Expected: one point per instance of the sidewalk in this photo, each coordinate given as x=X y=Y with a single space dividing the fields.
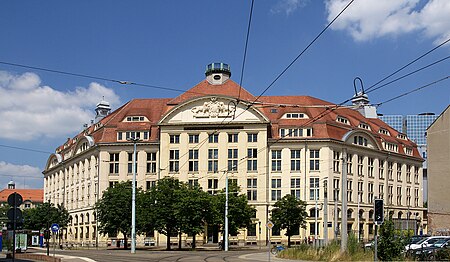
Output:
x=264 y=256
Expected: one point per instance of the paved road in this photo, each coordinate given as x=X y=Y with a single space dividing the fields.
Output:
x=251 y=255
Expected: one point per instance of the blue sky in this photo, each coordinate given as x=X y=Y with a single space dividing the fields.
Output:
x=169 y=43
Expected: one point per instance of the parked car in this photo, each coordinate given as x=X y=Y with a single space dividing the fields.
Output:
x=426 y=242
x=438 y=251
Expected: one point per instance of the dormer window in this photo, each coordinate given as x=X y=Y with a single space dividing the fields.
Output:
x=408 y=151
x=384 y=132
x=360 y=140
x=295 y=116
x=273 y=110
x=402 y=136
x=343 y=120
x=136 y=119
x=391 y=147
x=295 y=132
x=364 y=126
x=124 y=136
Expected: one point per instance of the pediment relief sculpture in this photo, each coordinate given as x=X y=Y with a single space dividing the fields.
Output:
x=213 y=109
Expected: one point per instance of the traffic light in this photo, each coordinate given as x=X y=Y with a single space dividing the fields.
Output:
x=379 y=211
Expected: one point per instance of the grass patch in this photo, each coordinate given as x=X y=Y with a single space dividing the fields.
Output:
x=329 y=253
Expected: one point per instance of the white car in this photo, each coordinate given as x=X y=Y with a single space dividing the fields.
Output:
x=426 y=242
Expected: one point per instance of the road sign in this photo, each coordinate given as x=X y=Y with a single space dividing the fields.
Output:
x=15 y=199
x=269 y=225
x=14 y=214
x=55 y=228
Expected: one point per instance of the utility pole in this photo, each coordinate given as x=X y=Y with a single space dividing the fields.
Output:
x=344 y=202
x=133 y=198
x=325 y=212
x=226 y=211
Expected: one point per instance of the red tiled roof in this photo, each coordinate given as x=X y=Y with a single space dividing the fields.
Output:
x=34 y=195
x=324 y=113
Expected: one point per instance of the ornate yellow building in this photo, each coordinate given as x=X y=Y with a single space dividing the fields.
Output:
x=271 y=146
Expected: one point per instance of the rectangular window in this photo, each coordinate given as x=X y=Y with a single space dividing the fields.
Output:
x=145 y=135
x=381 y=191
x=380 y=169
x=360 y=191
x=295 y=187
x=193 y=160
x=336 y=161
x=213 y=185
x=132 y=135
x=149 y=184
x=336 y=189
x=416 y=175
x=151 y=162
x=349 y=190
x=370 y=167
x=416 y=197
x=295 y=160
x=408 y=196
x=119 y=135
x=130 y=163
x=193 y=139
x=232 y=159
x=252 y=137
x=360 y=165
x=314 y=160
x=313 y=188
x=390 y=194
x=213 y=156
x=213 y=138
x=252 y=160
x=408 y=173
x=370 y=192
x=252 y=185
x=390 y=170
x=174 y=160
x=193 y=182
x=399 y=195
x=232 y=138
x=276 y=189
x=114 y=163
x=349 y=164
x=399 y=172
x=174 y=139
x=276 y=160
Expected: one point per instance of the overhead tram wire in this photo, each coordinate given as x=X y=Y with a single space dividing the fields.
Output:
x=245 y=51
x=98 y=78
x=410 y=63
x=26 y=149
x=304 y=50
x=413 y=91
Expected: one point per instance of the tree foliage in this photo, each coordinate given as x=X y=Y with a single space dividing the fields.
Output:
x=391 y=242
x=114 y=210
x=43 y=216
x=239 y=212
x=289 y=213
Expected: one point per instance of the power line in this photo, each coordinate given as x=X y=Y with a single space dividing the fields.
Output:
x=26 y=149
x=121 y=82
x=245 y=50
x=410 y=63
x=414 y=90
x=304 y=50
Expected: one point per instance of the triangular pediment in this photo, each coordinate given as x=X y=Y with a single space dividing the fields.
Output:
x=213 y=109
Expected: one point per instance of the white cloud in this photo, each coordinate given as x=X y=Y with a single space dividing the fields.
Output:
x=24 y=176
x=288 y=6
x=370 y=19
x=30 y=111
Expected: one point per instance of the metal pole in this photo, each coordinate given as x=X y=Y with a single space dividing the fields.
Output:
x=375 y=255
x=133 y=201
x=268 y=242
x=97 y=196
x=226 y=211
x=259 y=238
x=344 y=202
x=357 y=214
x=315 y=214
x=325 y=211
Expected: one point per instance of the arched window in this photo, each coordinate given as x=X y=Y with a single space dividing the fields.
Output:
x=349 y=213
x=371 y=214
x=400 y=214
x=87 y=217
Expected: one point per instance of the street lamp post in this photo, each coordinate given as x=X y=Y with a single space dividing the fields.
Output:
x=226 y=211
x=133 y=198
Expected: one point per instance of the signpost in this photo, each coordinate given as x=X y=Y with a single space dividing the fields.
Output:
x=269 y=226
x=14 y=215
x=55 y=229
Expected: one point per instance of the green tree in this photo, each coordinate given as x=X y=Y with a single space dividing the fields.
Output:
x=43 y=216
x=114 y=210
x=391 y=242
x=192 y=210
x=239 y=212
x=158 y=210
x=289 y=213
